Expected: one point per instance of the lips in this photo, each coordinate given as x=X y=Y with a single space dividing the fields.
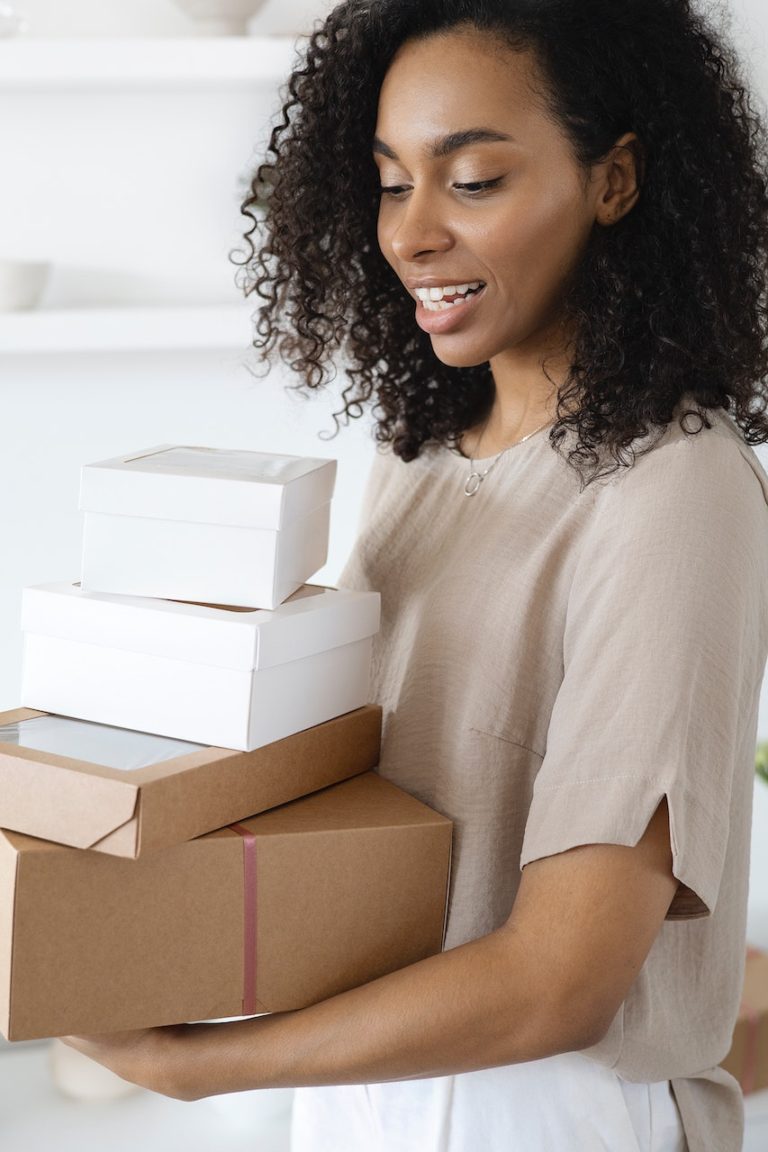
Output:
x=451 y=317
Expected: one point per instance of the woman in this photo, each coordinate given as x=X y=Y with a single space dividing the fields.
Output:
x=537 y=231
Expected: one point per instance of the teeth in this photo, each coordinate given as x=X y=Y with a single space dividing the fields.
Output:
x=436 y=295
x=440 y=305
x=432 y=298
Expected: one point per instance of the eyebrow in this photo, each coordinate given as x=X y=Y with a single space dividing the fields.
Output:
x=445 y=145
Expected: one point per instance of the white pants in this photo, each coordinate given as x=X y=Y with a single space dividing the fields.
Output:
x=564 y=1103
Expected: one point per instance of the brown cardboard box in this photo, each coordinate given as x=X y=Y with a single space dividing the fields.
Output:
x=747 y=1059
x=285 y=909
x=130 y=813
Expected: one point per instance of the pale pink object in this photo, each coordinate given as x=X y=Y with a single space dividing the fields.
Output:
x=222 y=17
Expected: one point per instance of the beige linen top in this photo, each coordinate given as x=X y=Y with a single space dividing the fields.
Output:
x=550 y=663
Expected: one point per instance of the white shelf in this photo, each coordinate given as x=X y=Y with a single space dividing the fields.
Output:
x=220 y=60
x=127 y=329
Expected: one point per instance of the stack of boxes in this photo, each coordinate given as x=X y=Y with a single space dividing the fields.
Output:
x=191 y=827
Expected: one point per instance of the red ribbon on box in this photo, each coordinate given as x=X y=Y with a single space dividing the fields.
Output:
x=249 y=919
x=753 y=1025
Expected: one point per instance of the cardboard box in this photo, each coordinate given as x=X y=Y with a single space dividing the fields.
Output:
x=219 y=525
x=228 y=677
x=127 y=793
x=278 y=912
x=747 y=1059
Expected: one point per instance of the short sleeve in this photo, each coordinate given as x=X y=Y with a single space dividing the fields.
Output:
x=664 y=651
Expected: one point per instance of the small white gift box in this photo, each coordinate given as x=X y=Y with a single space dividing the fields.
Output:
x=230 y=677
x=219 y=525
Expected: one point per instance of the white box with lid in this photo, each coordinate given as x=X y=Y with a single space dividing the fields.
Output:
x=230 y=677
x=226 y=526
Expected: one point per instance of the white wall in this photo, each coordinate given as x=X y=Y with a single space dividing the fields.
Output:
x=153 y=17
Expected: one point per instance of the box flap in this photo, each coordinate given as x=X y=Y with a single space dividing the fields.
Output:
x=365 y=801
x=208 y=485
x=314 y=619
x=41 y=793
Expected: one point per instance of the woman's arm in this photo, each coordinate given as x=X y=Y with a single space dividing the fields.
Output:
x=470 y=1007
x=549 y=981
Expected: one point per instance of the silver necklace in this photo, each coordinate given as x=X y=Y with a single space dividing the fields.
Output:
x=475 y=478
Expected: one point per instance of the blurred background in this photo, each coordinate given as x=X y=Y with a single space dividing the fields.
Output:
x=129 y=132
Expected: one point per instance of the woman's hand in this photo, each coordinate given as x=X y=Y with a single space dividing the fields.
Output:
x=149 y=1057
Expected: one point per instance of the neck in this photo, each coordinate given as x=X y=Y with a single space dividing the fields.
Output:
x=525 y=397
x=519 y=407
x=524 y=391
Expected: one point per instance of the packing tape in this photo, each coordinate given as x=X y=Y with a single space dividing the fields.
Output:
x=249 y=919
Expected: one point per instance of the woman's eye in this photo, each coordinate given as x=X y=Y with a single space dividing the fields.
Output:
x=473 y=188
x=479 y=185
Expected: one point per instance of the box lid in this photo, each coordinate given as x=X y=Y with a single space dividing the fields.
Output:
x=314 y=619
x=208 y=485
x=53 y=749
x=125 y=792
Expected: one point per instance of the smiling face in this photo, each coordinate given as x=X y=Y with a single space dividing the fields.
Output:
x=513 y=211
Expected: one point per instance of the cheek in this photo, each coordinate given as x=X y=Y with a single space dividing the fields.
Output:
x=538 y=242
x=383 y=232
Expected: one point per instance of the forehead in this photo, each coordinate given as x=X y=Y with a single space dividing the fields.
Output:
x=454 y=80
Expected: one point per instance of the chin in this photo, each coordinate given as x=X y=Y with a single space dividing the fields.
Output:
x=461 y=360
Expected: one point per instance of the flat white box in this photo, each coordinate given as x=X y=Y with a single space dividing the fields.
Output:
x=220 y=525
x=229 y=677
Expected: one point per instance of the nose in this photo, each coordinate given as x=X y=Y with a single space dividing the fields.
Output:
x=418 y=227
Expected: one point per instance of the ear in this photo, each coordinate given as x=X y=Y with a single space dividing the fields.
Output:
x=622 y=174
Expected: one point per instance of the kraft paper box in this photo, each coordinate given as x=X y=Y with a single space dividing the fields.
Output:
x=191 y=523
x=275 y=913
x=229 y=677
x=747 y=1059
x=128 y=793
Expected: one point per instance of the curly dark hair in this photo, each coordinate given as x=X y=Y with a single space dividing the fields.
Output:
x=670 y=300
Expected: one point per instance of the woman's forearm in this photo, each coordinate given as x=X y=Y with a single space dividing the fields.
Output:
x=480 y=1005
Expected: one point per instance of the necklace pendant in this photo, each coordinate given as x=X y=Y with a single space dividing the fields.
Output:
x=474 y=480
